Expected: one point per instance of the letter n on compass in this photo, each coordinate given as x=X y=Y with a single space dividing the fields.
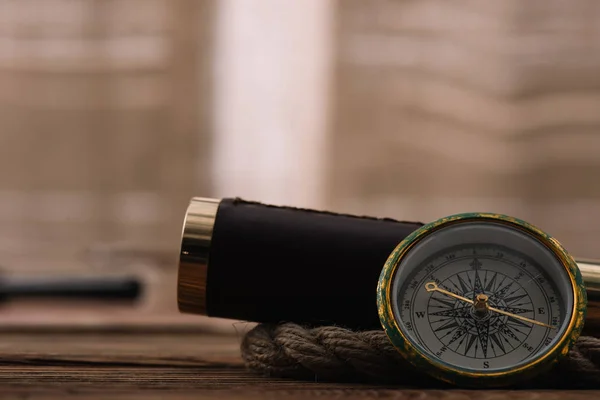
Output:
x=475 y=264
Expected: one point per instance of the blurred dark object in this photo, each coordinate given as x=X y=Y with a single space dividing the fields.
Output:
x=101 y=288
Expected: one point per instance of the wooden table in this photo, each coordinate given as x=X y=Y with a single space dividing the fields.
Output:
x=159 y=363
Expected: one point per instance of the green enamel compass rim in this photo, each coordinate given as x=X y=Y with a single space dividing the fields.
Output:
x=463 y=377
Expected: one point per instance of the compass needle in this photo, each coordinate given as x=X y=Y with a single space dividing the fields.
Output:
x=432 y=287
x=521 y=318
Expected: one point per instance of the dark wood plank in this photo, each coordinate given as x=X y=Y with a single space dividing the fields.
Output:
x=226 y=382
x=119 y=349
x=119 y=365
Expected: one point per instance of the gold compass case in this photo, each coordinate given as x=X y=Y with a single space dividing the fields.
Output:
x=407 y=342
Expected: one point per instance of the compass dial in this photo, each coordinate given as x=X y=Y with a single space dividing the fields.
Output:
x=457 y=332
x=480 y=297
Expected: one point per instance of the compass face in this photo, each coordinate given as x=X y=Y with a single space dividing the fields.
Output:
x=456 y=332
x=482 y=297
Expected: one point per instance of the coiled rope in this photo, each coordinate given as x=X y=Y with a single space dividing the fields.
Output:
x=335 y=354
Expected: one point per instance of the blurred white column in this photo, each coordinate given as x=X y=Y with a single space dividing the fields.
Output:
x=272 y=91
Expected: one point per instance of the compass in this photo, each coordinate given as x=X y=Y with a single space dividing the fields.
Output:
x=481 y=300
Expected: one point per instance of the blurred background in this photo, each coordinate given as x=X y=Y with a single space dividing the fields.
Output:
x=113 y=113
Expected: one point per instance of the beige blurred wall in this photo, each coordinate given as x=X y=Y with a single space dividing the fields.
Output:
x=446 y=107
x=102 y=129
x=114 y=112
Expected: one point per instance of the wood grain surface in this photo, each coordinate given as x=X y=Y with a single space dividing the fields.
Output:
x=176 y=365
